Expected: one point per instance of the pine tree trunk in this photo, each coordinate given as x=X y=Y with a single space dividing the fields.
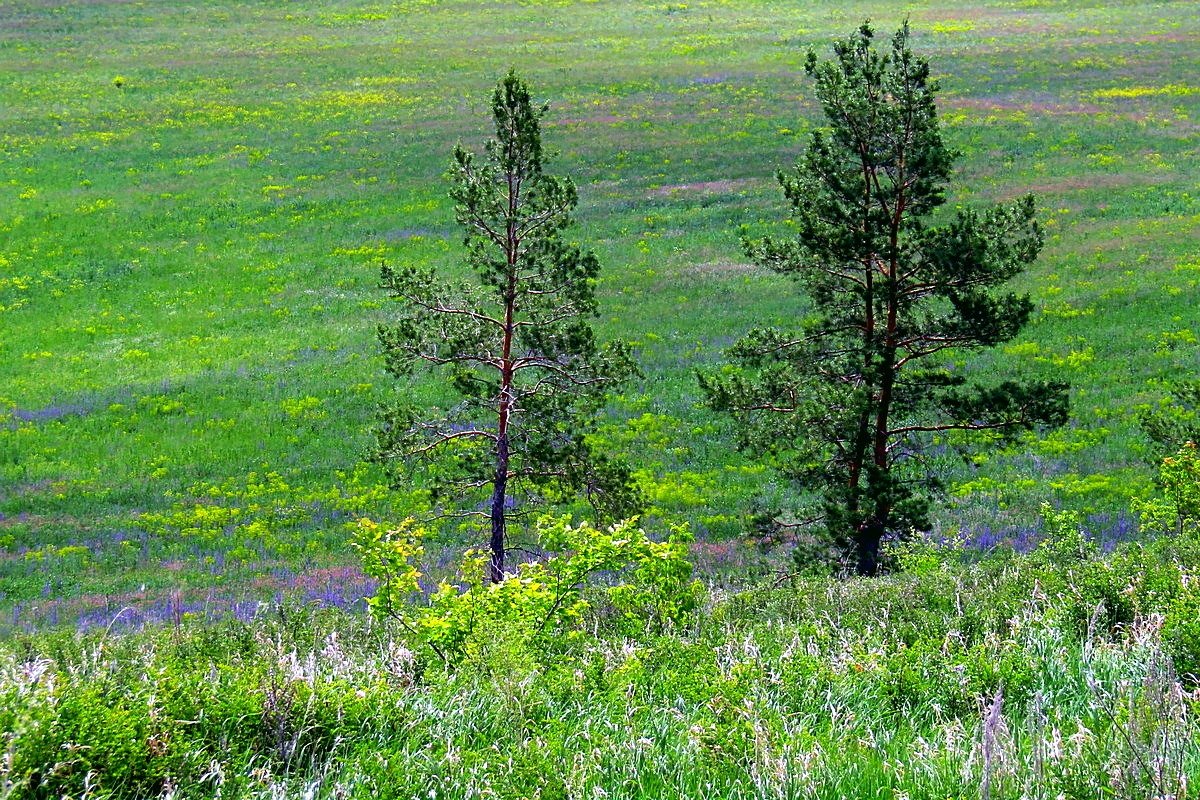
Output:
x=867 y=539
x=499 y=495
x=500 y=480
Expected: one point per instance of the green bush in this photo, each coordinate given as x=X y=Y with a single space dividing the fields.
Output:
x=1181 y=634
x=478 y=620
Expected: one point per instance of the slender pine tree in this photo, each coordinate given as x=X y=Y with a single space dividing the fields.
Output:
x=515 y=344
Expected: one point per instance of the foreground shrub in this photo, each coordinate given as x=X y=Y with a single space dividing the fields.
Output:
x=1178 y=508
x=649 y=584
x=1181 y=633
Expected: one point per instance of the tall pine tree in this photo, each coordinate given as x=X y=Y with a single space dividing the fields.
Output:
x=845 y=403
x=515 y=345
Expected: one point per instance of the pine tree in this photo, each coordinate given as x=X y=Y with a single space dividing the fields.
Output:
x=515 y=345
x=845 y=404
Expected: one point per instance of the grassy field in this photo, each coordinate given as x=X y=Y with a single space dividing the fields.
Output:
x=195 y=201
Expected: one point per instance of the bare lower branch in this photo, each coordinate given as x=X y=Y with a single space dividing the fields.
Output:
x=441 y=440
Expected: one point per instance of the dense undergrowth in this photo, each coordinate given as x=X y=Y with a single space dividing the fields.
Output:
x=1060 y=673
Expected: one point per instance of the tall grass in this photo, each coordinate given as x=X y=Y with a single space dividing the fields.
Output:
x=996 y=680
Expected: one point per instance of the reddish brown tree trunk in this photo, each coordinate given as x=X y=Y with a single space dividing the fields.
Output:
x=499 y=497
x=500 y=479
x=504 y=412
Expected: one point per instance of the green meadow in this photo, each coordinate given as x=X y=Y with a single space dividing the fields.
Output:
x=197 y=200
x=195 y=203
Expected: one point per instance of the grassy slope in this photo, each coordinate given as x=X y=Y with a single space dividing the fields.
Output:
x=188 y=260
x=997 y=680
